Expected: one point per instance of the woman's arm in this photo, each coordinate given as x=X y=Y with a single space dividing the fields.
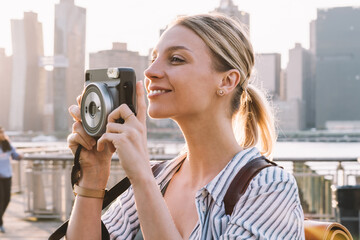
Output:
x=155 y=219
x=85 y=219
x=15 y=155
x=129 y=140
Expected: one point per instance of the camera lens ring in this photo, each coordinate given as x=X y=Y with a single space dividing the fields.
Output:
x=97 y=97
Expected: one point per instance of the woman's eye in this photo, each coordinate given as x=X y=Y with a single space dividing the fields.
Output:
x=175 y=59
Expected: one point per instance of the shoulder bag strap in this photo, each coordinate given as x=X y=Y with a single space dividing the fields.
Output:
x=242 y=180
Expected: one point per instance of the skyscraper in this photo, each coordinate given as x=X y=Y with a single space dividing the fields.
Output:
x=227 y=7
x=5 y=89
x=267 y=72
x=27 y=87
x=300 y=82
x=69 y=52
x=337 y=66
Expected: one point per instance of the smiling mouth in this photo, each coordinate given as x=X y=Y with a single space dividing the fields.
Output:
x=157 y=92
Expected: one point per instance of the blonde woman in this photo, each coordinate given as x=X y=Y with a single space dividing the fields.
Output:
x=199 y=77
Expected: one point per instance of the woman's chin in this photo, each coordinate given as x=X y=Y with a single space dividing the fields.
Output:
x=158 y=112
x=156 y=115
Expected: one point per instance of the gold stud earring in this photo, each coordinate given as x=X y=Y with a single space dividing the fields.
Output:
x=220 y=92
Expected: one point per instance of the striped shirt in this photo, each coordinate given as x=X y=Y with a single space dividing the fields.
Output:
x=269 y=209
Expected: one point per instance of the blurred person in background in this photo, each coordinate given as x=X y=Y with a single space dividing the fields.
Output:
x=7 y=152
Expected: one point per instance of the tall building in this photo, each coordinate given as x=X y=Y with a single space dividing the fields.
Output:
x=289 y=115
x=28 y=79
x=300 y=82
x=337 y=65
x=119 y=56
x=227 y=7
x=268 y=72
x=5 y=89
x=69 y=54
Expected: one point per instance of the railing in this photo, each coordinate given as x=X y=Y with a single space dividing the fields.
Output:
x=45 y=181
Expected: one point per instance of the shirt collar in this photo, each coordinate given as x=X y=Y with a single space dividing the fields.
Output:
x=218 y=186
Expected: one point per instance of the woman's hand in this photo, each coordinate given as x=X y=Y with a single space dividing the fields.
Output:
x=95 y=165
x=129 y=139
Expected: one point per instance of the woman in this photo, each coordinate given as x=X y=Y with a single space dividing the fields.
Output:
x=7 y=152
x=199 y=77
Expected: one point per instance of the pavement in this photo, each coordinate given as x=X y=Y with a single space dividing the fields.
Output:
x=20 y=226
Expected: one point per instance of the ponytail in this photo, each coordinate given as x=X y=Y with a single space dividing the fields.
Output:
x=254 y=121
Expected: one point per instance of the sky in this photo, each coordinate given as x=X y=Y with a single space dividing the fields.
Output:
x=275 y=25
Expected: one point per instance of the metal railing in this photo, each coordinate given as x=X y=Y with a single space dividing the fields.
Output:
x=45 y=181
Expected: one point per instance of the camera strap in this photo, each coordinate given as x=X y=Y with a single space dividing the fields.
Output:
x=109 y=197
x=76 y=169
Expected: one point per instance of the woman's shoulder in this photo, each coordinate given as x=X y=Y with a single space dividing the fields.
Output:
x=273 y=175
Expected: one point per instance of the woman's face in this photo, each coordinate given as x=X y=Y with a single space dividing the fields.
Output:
x=181 y=81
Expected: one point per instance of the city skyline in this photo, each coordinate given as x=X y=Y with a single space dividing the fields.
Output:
x=275 y=26
x=290 y=84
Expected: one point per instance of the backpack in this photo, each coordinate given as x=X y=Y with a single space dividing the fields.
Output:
x=314 y=230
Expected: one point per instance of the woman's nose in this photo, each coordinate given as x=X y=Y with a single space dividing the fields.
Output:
x=155 y=70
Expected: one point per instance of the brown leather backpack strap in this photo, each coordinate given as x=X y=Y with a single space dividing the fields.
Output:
x=242 y=180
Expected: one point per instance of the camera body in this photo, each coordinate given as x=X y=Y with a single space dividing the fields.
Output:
x=105 y=90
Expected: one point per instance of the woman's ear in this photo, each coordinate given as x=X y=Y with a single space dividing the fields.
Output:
x=230 y=80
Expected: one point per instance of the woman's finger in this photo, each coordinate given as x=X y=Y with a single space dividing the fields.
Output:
x=85 y=140
x=75 y=112
x=112 y=127
x=123 y=111
x=141 y=104
x=78 y=99
x=74 y=139
x=107 y=139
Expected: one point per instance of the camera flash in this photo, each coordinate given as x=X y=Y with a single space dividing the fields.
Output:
x=113 y=73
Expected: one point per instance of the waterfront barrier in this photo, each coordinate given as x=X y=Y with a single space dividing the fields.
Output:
x=45 y=181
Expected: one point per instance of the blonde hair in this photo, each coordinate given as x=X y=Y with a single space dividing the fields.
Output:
x=228 y=41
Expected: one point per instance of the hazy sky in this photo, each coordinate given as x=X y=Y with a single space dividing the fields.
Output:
x=275 y=25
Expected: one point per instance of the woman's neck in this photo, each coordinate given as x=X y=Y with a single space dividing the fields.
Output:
x=211 y=145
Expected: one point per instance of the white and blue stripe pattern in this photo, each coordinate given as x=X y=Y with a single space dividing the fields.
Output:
x=269 y=209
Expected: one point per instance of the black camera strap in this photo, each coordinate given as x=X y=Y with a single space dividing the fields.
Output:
x=109 y=197
x=76 y=168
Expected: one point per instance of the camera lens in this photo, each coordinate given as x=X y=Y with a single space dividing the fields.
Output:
x=93 y=109
x=96 y=104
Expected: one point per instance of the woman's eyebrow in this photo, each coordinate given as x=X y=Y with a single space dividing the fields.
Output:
x=173 y=48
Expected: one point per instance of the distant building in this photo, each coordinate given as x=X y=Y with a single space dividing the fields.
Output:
x=268 y=72
x=227 y=7
x=27 y=87
x=119 y=56
x=69 y=54
x=5 y=87
x=300 y=83
x=289 y=115
x=312 y=39
x=337 y=65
